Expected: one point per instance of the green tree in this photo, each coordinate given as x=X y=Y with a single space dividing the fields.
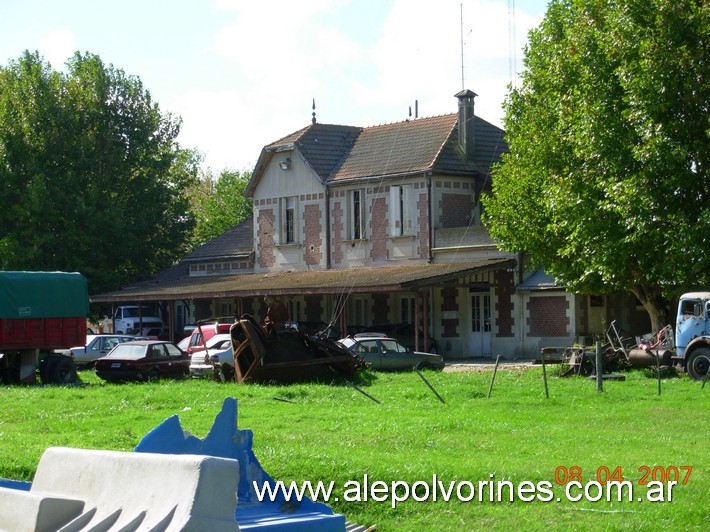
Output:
x=91 y=176
x=219 y=204
x=605 y=183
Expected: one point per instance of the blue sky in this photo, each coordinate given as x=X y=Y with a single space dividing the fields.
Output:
x=243 y=73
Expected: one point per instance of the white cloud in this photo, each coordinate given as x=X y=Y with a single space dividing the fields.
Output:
x=284 y=53
x=57 y=46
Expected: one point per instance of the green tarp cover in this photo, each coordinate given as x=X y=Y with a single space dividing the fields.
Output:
x=43 y=295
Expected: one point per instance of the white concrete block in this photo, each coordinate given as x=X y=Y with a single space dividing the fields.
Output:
x=143 y=491
x=23 y=511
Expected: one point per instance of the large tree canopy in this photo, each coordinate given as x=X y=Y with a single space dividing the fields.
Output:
x=91 y=176
x=219 y=203
x=605 y=183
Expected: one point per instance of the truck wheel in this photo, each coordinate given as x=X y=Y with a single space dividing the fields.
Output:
x=59 y=370
x=699 y=363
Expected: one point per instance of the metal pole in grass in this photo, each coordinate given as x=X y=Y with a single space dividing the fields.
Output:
x=658 y=371
x=495 y=370
x=544 y=376
x=363 y=392
x=427 y=383
x=600 y=369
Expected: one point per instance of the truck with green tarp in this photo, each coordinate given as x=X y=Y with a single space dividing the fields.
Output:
x=40 y=313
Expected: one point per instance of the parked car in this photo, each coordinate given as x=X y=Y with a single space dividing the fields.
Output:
x=223 y=363
x=203 y=333
x=143 y=360
x=384 y=353
x=314 y=328
x=201 y=364
x=154 y=333
x=404 y=332
x=97 y=346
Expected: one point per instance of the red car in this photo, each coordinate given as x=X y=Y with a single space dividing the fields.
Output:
x=143 y=360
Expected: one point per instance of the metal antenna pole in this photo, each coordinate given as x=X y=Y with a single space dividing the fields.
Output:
x=463 y=83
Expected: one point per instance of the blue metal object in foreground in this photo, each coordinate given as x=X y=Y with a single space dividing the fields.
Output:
x=225 y=440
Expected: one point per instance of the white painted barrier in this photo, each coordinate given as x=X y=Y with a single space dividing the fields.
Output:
x=79 y=490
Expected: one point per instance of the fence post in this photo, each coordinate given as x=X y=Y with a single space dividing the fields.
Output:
x=495 y=370
x=599 y=366
x=544 y=376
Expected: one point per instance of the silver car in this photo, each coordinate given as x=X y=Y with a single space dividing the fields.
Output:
x=97 y=346
x=387 y=354
x=201 y=363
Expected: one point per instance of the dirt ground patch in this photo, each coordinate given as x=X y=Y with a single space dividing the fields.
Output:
x=482 y=367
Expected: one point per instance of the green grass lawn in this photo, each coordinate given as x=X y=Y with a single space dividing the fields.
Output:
x=332 y=432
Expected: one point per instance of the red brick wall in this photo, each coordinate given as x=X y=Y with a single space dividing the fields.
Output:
x=455 y=209
x=505 y=290
x=313 y=241
x=548 y=316
x=265 y=238
x=337 y=232
x=378 y=217
x=448 y=303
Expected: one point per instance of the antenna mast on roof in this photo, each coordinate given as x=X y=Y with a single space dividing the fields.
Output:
x=463 y=83
x=513 y=52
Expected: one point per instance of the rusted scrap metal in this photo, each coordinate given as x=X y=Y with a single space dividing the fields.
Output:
x=618 y=353
x=285 y=356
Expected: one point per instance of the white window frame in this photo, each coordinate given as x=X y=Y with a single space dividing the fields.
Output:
x=356 y=214
x=402 y=209
x=288 y=220
x=406 y=309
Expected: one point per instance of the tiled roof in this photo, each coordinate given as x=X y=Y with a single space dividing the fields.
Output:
x=401 y=147
x=323 y=145
x=235 y=242
x=368 y=279
x=339 y=153
x=489 y=145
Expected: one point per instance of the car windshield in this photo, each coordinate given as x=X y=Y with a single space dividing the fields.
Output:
x=219 y=341
x=133 y=312
x=128 y=350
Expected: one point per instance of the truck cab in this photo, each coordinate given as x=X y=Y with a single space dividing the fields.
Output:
x=133 y=319
x=692 y=337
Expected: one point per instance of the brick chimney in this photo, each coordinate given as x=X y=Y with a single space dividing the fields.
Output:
x=466 y=133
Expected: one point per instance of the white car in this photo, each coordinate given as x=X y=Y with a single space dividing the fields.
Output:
x=219 y=348
x=97 y=346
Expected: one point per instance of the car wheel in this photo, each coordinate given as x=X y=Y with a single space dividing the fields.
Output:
x=227 y=372
x=153 y=375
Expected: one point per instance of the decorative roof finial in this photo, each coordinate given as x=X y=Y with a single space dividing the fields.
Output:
x=313 y=120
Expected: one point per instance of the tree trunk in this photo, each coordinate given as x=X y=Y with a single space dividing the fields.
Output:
x=655 y=305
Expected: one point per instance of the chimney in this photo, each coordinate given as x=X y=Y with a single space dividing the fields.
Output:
x=466 y=133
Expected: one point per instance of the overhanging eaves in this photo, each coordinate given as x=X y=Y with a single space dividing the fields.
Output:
x=335 y=281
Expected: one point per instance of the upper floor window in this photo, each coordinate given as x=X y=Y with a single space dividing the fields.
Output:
x=357 y=214
x=289 y=224
x=402 y=209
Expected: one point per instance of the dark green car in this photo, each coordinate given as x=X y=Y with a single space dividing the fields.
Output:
x=387 y=354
